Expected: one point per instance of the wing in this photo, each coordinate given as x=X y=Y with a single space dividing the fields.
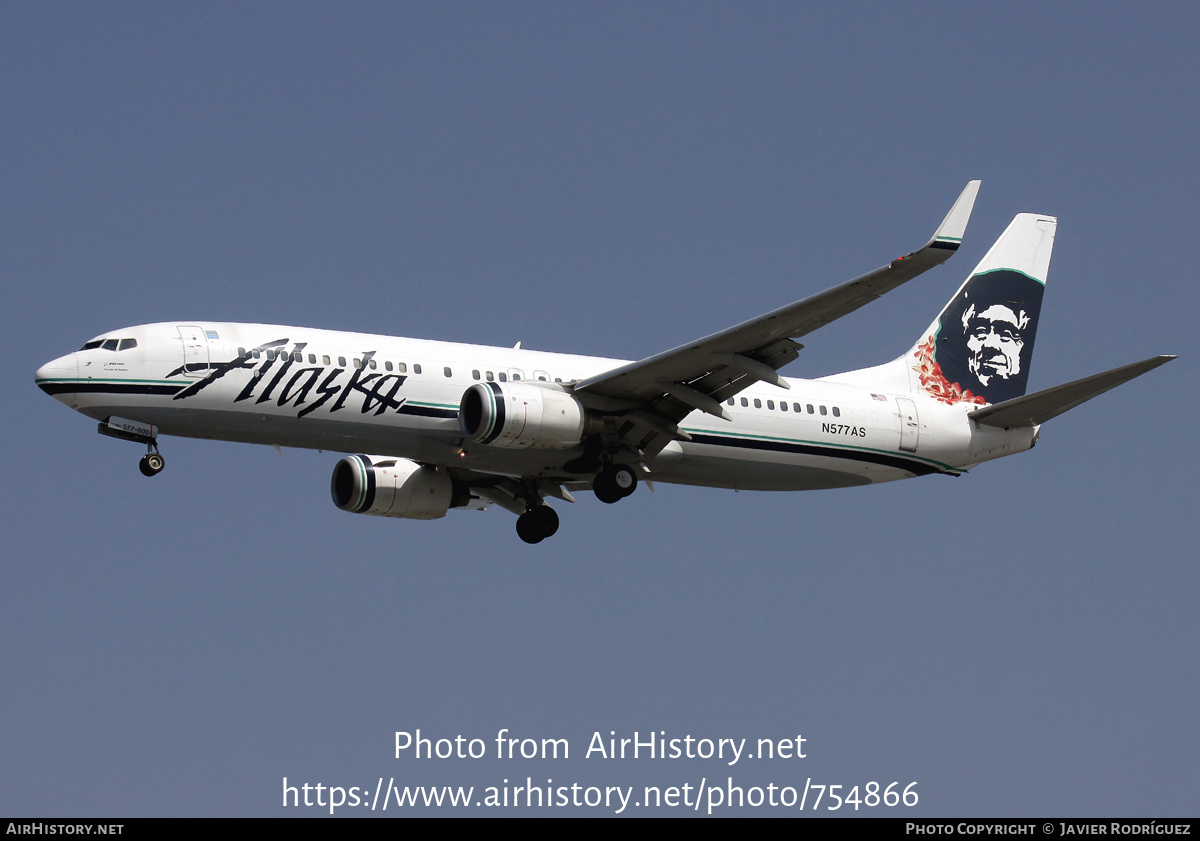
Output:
x=653 y=395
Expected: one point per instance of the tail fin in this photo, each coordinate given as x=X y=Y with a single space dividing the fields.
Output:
x=978 y=350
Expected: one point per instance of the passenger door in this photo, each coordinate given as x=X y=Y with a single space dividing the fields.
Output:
x=195 y=350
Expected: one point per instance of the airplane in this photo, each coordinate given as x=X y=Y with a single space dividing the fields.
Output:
x=436 y=425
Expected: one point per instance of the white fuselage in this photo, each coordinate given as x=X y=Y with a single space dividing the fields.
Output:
x=362 y=393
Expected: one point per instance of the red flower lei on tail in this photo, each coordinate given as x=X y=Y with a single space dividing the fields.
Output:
x=934 y=381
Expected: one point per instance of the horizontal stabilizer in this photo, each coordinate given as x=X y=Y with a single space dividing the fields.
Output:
x=1041 y=406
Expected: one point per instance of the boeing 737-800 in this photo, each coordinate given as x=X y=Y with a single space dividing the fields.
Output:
x=450 y=425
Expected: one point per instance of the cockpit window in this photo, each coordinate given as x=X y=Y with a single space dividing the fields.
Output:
x=110 y=344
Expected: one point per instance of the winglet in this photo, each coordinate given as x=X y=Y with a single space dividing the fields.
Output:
x=950 y=233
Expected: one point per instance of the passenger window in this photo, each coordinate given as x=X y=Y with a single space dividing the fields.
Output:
x=271 y=355
x=416 y=369
x=729 y=401
x=401 y=367
x=796 y=408
x=475 y=374
x=374 y=364
x=745 y=402
x=811 y=411
x=312 y=359
x=256 y=353
x=558 y=379
x=357 y=362
x=342 y=361
x=757 y=403
x=503 y=377
x=782 y=406
x=837 y=413
x=823 y=410
x=488 y=376
x=297 y=356
x=126 y=344
x=387 y=365
x=770 y=404
x=325 y=359
x=242 y=354
x=447 y=372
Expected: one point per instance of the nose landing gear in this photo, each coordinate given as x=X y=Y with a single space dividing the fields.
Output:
x=152 y=463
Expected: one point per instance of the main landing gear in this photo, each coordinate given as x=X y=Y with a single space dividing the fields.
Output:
x=538 y=523
x=614 y=482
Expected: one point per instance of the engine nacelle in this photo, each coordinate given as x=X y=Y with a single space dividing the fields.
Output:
x=394 y=487
x=519 y=415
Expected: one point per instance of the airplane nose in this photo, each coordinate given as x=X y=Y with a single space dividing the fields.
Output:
x=57 y=377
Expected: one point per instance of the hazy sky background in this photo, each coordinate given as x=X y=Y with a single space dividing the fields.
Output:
x=611 y=179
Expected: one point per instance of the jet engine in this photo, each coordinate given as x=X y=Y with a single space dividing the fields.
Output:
x=520 y=415
x=395 y=487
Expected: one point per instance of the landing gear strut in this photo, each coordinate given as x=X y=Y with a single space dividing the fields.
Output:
x=614 y=483
x=538 y=523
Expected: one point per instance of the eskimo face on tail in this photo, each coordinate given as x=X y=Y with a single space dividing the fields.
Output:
x=994 y=341
x=980 y=348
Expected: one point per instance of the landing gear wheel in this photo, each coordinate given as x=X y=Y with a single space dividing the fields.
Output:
x=152 y=464
x=605 y=487
x=624 y=478
x=536 y=524
x=527 y=529
x=614 y=483
x=546 y=519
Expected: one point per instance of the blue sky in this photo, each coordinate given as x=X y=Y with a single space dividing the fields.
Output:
x=611 y=179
